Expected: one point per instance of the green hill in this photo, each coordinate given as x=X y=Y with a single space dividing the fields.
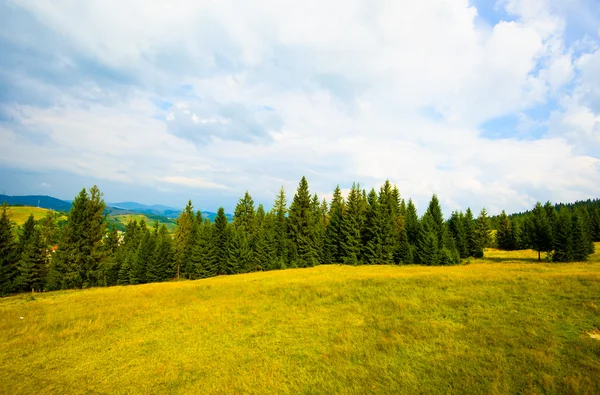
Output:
x=19 y=214
x=499 y=325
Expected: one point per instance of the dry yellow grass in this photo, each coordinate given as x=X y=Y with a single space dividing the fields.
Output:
x=499 y=325
x=19 y=214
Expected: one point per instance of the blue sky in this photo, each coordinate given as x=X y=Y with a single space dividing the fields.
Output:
x=485 y=103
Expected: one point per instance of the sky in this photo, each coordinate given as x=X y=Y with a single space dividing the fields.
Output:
x=487 y=104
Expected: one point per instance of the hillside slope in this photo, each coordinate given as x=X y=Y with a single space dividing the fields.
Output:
x=480 y=328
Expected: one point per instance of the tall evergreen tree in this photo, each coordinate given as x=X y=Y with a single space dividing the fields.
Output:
x=411 y=223
x=333 y=233
x=582 y=244
x=221 y=241
x=280 y=212
x=563 y=241
x=351 y=225
x=389 y=206
x=539 y=231
x=483 y=230
x=302 y=227
x=471 y=234
x=205 y=252
x=434 y=211
x=31 y=265
x=244 y=214
x=428 y=247
x=456 y=227
x=185 y=239
x=504 y=234
x=372 y=242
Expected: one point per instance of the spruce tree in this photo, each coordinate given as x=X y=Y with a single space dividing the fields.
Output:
x=483 y=230
x=428 y=247
x=302 y=227
x=563 y=240
x=333 y=233
x=240 y=255
x=31 y=265
x=472 y=241
x=351 y=224
x=185 y=239
x=372 y=242
x=244 y=215
x=539 y=231
x=280 y=211
x=582 y=244
x=504 y=234
x=411 y=223
x=404 y=252
x=221 y=241
x=205 y=255
x=456 y=227
x=389 y=206
x=434 y=211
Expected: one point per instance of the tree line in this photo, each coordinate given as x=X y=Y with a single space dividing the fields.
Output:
x=378 y=227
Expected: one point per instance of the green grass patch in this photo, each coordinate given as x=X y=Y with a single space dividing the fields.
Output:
x=504 y=324
x=19 y=214
x=125 y=218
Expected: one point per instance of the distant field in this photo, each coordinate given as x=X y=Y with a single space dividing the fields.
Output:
x=505 y=324
x=19 y=214
x=124 y=219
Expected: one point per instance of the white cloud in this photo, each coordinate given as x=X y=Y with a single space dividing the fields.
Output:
x=334 y=90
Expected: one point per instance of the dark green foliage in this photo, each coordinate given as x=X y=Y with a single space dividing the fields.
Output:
x=404 y=250
x=539 y=231
x=244 y=216
x=434 y=211
x=302 y=228
x=457 y=229
x=240 y=254
x=371 y=238
x=505 y=239
x=333 y=233
x=32 y=262
x=351 y=224
x=81 y=256
x=411 y=223
x=185 y=239
x=563 y=237
x=280 y=228
x=582 y=244
x=220 y=239
x=428 y=247
x=482 y=231
x=469 y=225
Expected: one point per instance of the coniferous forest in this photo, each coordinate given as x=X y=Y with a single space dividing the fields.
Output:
x=366 y=228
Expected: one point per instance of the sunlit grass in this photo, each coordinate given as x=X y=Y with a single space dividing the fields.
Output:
x=505 y=324
x=19 y=214
x=126 y=218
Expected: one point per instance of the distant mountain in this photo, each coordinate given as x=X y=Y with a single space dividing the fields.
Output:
x=42 y=201
x=134 y=206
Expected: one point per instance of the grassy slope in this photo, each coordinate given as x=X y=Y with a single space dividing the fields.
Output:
x=501 y=325
x=19 y=214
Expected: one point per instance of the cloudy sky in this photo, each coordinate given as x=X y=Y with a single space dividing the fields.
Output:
x=485 y=104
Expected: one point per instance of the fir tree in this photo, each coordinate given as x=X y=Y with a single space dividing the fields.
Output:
x=31 y=265
x=185 y=239
x=333 y=233
x=483 y=230
x=411 y=223
x=240 y=255
x=351 y=224
x=221 y=241
x=563 y=241
x=472 y=241
x=539 y=231
x=434 y=211
x=456 y=227
x=504 y=234
x=428 y=247
x=244 y=214
x=389 y=206
x=372 y=239
x=302 y=227
x=582 y=244
x=281 y=227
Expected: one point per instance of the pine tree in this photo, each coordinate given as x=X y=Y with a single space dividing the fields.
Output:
x=240 y=255
x=244 y=215
x=580 y=239
x=472 y=241
x=428 y=247
x=404 y=253
x=144 y=258
x=563 y=241
x=411 y=223
x=372 y=242
x=81 y=256
x=333 y=233
x=281 y=228
x=483 y=230
x=539 y=231
x=185 y=239
x=302 y=227
x=456 y=227
x=111 y=266
x=154 y=266
x=389 y=206
x=351 y=225
x=504 y=234
x=434 y=211
x=221 y=241
x=205 y=254
x=31 y=265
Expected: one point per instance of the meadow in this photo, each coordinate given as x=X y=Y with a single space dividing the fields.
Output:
x=503 y=324
x=19 y=214
x=126 y=218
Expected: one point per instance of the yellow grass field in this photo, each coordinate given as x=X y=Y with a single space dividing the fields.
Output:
x=505 y=324
x=125 y=218
x=19 y=214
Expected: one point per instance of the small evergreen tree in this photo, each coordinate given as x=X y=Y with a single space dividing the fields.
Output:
x=563 y=241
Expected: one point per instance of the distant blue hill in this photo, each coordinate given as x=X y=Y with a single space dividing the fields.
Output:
x=121 y=208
